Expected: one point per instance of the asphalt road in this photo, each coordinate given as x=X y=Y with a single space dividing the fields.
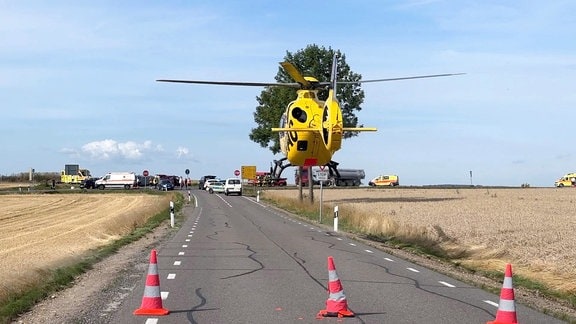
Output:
x=238 y=261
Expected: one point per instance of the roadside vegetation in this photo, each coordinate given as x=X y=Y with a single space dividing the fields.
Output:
x=22 y=296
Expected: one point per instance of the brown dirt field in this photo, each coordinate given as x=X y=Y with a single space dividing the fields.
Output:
x=47 y=231
x=532 y=228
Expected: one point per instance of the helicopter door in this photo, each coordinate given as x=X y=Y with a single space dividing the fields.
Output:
x=283 y=136
x=325 y=123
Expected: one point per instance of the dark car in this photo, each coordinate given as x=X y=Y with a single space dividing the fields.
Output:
x=89 y=183
x=203 y=179
x=165 y=185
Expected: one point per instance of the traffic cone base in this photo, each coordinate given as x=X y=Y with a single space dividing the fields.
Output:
x=336 y=305
x=152 y=301
x=151 y=311
x=342 y=313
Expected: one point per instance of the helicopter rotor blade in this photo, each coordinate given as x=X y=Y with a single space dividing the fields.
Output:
x=296 y=75
x=235 y=83
x=403 y=78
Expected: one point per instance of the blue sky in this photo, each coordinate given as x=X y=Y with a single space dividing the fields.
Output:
x=77 y=85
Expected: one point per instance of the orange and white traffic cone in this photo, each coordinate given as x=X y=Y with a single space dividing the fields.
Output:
x=152 y=301
x=336 y=305
x=506 y=313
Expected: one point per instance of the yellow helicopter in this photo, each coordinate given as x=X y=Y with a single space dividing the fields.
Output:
x=311 y=130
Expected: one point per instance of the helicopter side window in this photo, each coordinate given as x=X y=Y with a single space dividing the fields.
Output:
x=299 y=114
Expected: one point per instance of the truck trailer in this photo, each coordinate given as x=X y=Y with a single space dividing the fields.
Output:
x=336 y=177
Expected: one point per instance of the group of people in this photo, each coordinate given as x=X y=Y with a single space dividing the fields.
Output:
x=185 y=183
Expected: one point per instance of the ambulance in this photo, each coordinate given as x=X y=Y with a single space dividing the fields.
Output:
x=121 y=180
x=385 y=180
x=568 y=180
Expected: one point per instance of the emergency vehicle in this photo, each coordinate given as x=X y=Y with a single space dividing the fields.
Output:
x=568 y=180
x=123 y=180
x=385 y=180
x=73 y=174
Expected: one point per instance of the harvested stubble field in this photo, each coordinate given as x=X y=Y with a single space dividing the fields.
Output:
x=481 y=228
x=43 y=232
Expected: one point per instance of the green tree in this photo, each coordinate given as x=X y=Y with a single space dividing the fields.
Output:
x=314 y=61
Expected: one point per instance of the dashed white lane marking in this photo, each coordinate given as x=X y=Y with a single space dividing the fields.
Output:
x=189 y=235
x=185 y=245
x=171 y=276
x=180 y=253
x=151 y=321
x=177 y=263
x=388 y=259
x=446 y=284
x=491 y=303
x=413 y=270
x=224 y=200
x=339 y=238
x=368 y=251
x=352 y=244
x=187 y=240
x=164 y=295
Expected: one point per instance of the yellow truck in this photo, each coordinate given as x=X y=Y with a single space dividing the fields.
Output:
x=73 y=174
x=568 y=180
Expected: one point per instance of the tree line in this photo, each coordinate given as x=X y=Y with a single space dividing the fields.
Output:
x=25 y=177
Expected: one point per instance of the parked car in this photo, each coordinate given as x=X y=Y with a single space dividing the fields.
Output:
x=208 y=183
x=216 y=186
x=165 y=185
x=89 y=183
x=233 y=186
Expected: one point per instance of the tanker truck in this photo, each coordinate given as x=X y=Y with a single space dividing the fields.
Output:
x=336 y=177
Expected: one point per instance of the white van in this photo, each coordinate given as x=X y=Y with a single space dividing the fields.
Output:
x=233 y=186
x=122 y=180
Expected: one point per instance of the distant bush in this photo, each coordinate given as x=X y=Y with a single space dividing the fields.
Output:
x=25 y=177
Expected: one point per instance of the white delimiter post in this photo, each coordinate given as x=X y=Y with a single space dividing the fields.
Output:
x=335 y=218
x=171 y=214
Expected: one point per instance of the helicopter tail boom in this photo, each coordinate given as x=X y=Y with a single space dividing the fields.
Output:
x=359 y=129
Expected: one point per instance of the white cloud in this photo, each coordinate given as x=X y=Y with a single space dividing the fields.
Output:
x=110 y=149
x=182 y=151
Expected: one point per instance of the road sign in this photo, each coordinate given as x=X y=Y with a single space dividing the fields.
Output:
x=236 y=172
x=249 y=172
x=145 y=173
x=187 y=172
x=322 y=175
